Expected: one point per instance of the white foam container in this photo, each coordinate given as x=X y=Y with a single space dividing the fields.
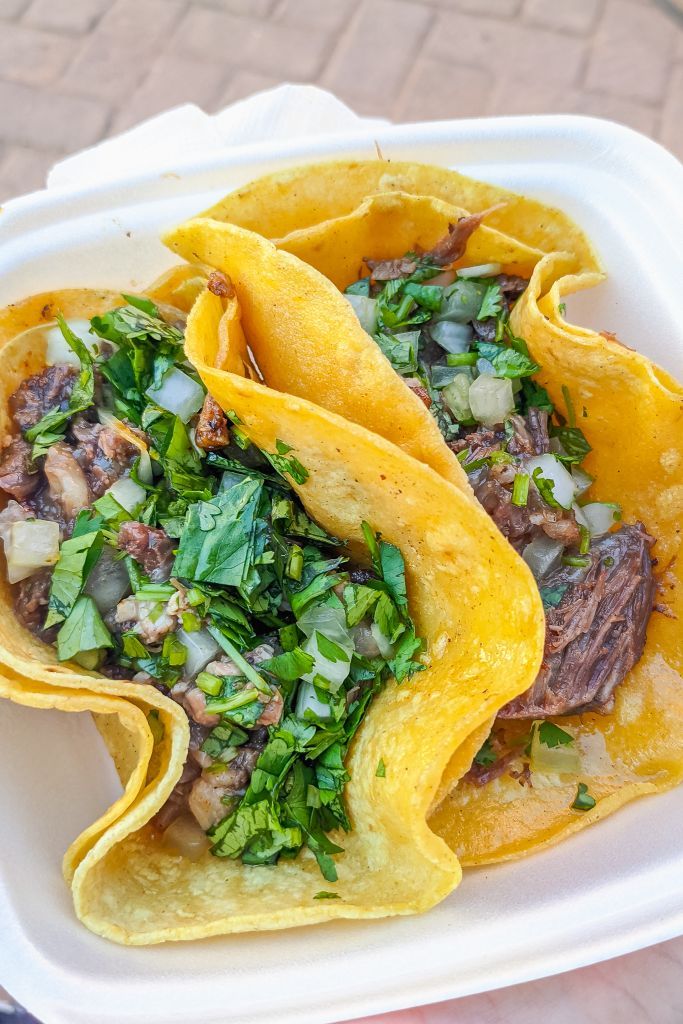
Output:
x=612 y=889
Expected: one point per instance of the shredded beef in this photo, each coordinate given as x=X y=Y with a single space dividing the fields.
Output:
x=417 y=388
x=40 y=394
x=66 y=480
x=596 y=634
x=17 y=475
x=150 y=547
x=446 y=251
x=212 y=426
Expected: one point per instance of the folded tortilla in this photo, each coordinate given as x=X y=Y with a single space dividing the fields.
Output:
x=301 y=197
x=128 y=886
x=634 y=423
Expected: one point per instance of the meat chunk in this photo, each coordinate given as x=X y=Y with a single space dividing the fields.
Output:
x=596 y=633
x=31 y=597
x=177 y=801
x=66 y=480
x=40 y=394
x=212 y=426
x=418 y=389
x=151 y=547
x=103 y=454
x=17 y=475
x=221 y=285
x=446 y=251
x=193 y=700
x=150 y=620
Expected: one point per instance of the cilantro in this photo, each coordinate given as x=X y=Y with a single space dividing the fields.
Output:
x=429 y=296
x=289 y=666
x=491 y=303
x=402 y=665
x=225 y=553
x=401 y=352
x=486 y=755
x=509 y=363
x=536 y=397
x=583 y=801
x=283 y=465
x=380 y=771
x=550 y=735
x=358 y=601
x=393 y=571
x=50 y=428
x=562 y=309
x=77 y=556
x=83 y=630
x=574 y=442
x=551 y=596
x=545 y=487
x=133 y=646
x=322 y=895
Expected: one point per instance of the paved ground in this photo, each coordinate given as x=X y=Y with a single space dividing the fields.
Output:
x=75 y=71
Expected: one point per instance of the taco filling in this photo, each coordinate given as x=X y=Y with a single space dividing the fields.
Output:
x=146 y=538
x=447 y=333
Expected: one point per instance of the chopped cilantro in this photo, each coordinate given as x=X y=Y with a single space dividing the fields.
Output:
x=381 y=770
x=323 y=895
x=552 y=736
x=51 y=427
x=583 y=801
x=486 y=755
x=491 y=303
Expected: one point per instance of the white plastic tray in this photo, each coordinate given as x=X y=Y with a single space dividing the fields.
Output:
x=615 y=888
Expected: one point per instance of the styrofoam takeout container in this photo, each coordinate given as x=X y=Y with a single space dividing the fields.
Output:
x=612 y=889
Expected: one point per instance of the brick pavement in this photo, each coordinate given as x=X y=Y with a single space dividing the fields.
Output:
x=74 y=71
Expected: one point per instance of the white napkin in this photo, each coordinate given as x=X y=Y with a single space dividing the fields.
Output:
x=286 y=112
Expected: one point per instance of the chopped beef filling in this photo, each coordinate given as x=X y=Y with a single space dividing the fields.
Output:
x=596 y=634
x=40 y=394
x=30 y=601
x=103 y=454
x=212 y=426
x=18 y=476
x=149 y=546
x=446 y=251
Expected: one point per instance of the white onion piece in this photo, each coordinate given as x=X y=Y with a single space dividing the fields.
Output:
x=562 y=759
x=201 y=649
x=451 y=336
x=58 y=351
x=483 y=270
x=600 y=517
x=456 y=395
x=582 y=479
x=128 y=494
x=30 y=546
x=365 y=309
x=386 y=649
x=307 y=700
x=491 y=399
x=564 y=487
x=185 y=837
x=334 y=671
x=108 y=582
x=542 y=555
x=178 y=394
x=331 y=622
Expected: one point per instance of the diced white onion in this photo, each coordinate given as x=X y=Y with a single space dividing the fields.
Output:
x=128 y=494
x=178 y=394
x=600 y=517
x=29 y=546
x=491 y=399
x=329 y=621
x=386 y=649
x=185 y=837
x=334 y=671
x=201 y=649
x=542 y=555
x=562 y=759
x=456 y=395
x=564 y=487
x=582 y=479
x=108 y=582
x=58 y=351
x=452 y=337
x=307 y=700
x=365 y=309
x=483 y=270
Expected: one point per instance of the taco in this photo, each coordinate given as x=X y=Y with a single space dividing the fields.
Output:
x=306 y=642
x=533 y=410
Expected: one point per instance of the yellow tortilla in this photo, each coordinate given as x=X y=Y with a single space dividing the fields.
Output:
x=302 y=197
x=130 y=888
x=635 y=427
